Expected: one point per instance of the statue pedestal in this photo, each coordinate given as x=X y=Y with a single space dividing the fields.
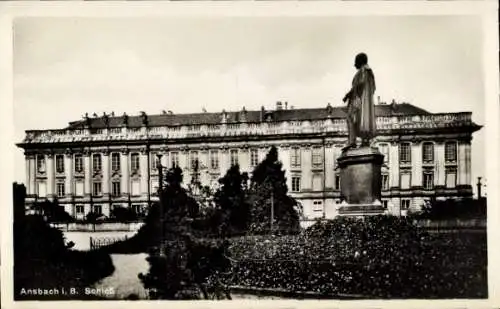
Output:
x=361 y=181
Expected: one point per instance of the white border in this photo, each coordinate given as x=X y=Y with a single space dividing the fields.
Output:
x=487 y=9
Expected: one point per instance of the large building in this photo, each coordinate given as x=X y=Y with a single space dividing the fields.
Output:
x=99 y=162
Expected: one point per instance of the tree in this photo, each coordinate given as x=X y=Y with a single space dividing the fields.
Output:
x=53 y=212
x=180 y=262
x=269 y=198
x=233 y=210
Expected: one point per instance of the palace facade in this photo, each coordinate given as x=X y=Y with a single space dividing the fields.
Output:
x=101 y=162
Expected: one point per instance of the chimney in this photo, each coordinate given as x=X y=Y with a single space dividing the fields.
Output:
x=279 y=106
x=112 y=114
x=262 y=112
x=286 y=104
x=378 y=100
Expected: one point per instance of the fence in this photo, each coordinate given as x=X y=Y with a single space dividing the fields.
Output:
x=98 y=242
x=98 y=227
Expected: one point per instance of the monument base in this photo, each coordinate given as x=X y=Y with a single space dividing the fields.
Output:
x=361 y=210
x=361 y=181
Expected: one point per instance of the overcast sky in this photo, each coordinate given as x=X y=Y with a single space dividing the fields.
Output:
x=64 y=67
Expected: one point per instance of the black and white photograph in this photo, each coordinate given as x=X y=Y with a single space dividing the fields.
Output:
x=245 y=156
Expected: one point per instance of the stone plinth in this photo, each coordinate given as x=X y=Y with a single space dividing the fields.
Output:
x=361 y=181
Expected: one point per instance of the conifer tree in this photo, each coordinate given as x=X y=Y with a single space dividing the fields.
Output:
x=231 y=201
x=272 y=209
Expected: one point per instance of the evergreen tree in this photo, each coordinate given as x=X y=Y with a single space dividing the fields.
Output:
x=269 y=198
x=180 y=262
x=231 y=200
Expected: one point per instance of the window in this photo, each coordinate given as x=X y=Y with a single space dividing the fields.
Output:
x=135 y=164
x=115 y=161
x=137 y=209
x=254 y=157
x=59 y=164
x=234 y=157
x=337 y=182
x=451 y=178
x=116 y=188
x=174 y=157
x=295 y=158
x=405 y=178
x=385 y=203
x=78 y=163
x=404 y=153
x=214 y=159
x=428 y=179
x=214 y=178
x=317 y=206
x=295 y=183
x=317 y=157
x=450 y=152
x=385 y=182
x=384 y=149
x=98 y=209
x=61 y=189
x=40 y=163
x=154 y=162
x=428 y=152
x=96 y=162
x=193 y=160
x=79 y=209
x=405 y=204
x=317 y=182
x=97 y=189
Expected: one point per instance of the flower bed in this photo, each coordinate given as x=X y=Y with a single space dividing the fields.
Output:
x=379 y=257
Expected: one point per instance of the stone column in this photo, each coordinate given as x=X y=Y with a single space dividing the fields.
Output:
x=125 y=172
x=105 y=174
x=394 y=165
x=468 y=158
x=68 y=170
x=329 y=167
x=306 y=159
x=33 y=174
x=144 y=170
x=30 y=174
x=440 y=168
x=50 y=176
x=224 y=161
x=284 y=157
x=244 y=159
x=416 y=164
x=87 y=174
x=462 y=164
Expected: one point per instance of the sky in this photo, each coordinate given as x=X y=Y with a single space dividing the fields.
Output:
x=65 y=67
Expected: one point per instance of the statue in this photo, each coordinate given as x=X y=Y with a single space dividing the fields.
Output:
x=360 y=105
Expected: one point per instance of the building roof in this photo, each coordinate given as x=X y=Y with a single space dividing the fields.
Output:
x=168 y=119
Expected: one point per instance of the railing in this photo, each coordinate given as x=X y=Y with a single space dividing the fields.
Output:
x=338 y=125
x=99 y=242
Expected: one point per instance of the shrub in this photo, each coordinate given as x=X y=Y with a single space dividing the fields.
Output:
x=378 y=257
